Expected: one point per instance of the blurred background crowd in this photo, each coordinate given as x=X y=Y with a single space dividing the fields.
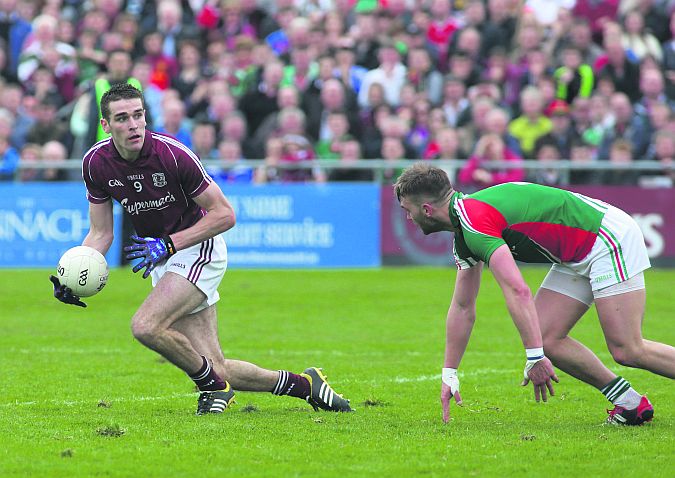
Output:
x=337 y=81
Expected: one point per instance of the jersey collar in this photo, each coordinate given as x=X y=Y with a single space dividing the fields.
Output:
x=454 y=218
x=146 y=150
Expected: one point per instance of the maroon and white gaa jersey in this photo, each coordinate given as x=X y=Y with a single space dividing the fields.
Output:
x=156 y=189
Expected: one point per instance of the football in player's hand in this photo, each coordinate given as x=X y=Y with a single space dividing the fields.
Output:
x=83 y=270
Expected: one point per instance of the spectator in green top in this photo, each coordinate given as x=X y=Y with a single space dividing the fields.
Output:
x=338 y=131
x=574 y=78
x=532 y=124
x=301 y=70
x=118 y=67
x=90 y=58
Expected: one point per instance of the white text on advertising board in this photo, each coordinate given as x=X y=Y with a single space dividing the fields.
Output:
x=60 y=225
x=278 y=207
x=649 y=224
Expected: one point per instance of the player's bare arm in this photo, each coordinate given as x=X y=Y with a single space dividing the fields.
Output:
x=100 y=235
x=461 y=314
x=459 y=323
x=521 y=307
x=518 y=296
x=219 y=218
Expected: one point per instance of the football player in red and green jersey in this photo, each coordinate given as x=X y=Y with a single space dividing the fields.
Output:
x=597 y=254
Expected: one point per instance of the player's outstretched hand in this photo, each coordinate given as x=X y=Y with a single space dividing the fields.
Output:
x=64 y=294
x=541 y=374
x=153 y=250
x=449 y=390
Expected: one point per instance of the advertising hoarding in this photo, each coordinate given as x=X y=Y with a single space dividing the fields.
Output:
x=41 y=221
x=304 y=225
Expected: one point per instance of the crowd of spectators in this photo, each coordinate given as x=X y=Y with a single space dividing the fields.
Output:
x=342 y=80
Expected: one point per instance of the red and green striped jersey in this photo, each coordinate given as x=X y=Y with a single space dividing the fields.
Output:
x=539 y=223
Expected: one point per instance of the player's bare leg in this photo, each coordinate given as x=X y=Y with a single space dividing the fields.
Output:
x=201 y=328
x=172 y=298
x=621 y=320
x=558 y=313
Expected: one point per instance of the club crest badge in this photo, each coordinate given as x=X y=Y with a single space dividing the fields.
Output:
x=158 y=180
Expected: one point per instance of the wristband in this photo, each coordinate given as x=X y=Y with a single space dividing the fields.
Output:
x=533 y=356
x=170 y=248
x=448 y=372
x=449 y=377
x=535 y=353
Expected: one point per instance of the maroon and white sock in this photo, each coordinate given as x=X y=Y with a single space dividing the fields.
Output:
x=206 y=379
x=292 y=384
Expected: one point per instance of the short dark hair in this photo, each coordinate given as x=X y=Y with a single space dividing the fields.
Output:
x=568 y=47
x=579 y=142
x=422 y=179
x=118 y=51
x=119 y=91
x=203 y=122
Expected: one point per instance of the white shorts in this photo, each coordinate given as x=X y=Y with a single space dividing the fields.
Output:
x=577 y=287
x=203 y=264
x=619 y=254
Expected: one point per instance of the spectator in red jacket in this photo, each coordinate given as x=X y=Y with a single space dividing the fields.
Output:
x=477 y=174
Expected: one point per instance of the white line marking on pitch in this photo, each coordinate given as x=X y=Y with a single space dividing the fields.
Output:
x=421 y=378
x=70 y=403
x=67 y=350
x=272 y=352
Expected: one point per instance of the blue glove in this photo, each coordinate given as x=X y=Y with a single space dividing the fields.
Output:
x=64 y=294
x=153 y=250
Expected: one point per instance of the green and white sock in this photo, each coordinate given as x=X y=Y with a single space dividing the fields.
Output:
x=620 y=393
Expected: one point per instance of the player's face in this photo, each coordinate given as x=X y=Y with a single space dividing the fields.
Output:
x=126 y=126
x=420 y=214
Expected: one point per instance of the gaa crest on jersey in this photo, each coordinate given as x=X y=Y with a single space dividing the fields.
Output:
x=158 y=179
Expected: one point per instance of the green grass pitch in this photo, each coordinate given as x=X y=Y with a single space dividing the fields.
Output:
x=80 y=398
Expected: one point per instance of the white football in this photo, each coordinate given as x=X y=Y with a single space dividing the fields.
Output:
x=84 y=270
